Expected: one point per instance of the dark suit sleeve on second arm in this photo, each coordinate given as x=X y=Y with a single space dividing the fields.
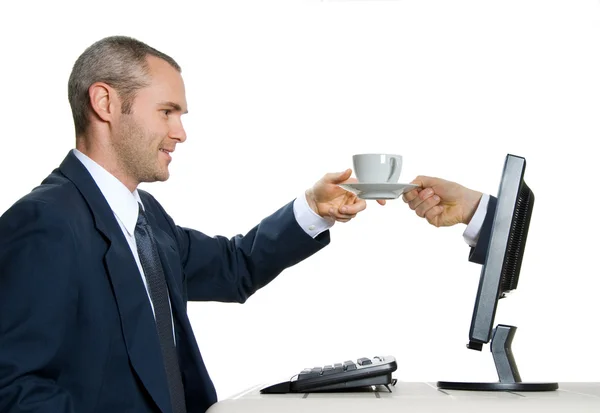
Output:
x=478 y=253
x=230 y=270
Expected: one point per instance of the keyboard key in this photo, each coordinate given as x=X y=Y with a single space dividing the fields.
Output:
x=307 y=373
x=338 y=368
x=328 y=370
x=349 y=365
x=363 y=361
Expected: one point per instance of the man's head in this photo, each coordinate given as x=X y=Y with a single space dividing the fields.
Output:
x=127 y=99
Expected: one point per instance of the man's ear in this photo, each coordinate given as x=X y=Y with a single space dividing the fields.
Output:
x=104 y=101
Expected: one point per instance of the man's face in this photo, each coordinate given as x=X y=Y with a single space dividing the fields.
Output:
x=146 y=137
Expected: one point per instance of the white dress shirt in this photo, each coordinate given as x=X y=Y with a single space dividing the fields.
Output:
x=471 y=234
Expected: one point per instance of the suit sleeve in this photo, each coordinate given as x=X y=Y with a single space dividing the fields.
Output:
x=478 y=253
x=231 y=269
x=36 y=303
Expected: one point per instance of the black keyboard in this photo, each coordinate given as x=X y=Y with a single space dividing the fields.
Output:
x=348 y=375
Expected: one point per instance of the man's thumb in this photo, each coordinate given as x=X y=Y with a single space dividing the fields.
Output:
x=338 y=177
x=422 y=181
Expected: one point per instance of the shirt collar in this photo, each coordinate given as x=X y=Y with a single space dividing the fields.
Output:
x=123 y=202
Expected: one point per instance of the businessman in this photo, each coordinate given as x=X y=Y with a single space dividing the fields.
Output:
x=95 y=275
x=444 y=203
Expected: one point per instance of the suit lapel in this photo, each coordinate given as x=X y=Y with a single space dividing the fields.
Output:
x=137 y=321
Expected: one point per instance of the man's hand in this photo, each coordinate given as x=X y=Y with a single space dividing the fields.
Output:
x=442 y=203
x=329 y=200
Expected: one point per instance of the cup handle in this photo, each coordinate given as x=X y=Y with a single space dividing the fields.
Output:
x=394 y=164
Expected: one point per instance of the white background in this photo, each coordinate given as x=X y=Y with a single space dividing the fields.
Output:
x=281 y=92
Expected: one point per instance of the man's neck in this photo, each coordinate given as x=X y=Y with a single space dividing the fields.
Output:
x=107 y=160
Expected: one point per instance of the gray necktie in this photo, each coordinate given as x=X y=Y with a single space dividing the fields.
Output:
x=159 y=294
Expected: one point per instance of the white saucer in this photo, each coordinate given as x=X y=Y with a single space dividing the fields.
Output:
x=385 y=190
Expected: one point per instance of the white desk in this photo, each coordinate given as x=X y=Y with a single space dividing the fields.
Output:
x=418 y=397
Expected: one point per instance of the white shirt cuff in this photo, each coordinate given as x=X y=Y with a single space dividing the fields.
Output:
x=471 y=234
x=309 y=221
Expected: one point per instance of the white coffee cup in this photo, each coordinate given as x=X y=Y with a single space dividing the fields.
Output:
x=377 y=168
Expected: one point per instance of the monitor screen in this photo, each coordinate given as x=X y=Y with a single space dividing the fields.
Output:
x=500 y=272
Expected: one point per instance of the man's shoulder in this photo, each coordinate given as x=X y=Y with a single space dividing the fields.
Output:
x=56 y=193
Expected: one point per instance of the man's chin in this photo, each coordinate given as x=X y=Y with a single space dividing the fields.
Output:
x=161 y=177
x=162 y=173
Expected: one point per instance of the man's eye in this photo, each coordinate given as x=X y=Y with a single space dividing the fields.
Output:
x=166 y=111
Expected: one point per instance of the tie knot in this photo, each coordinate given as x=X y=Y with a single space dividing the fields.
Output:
x=141 y=216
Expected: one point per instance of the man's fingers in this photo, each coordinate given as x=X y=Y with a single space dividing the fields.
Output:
x=427 y=205
x=424 y=195
x=424 y=183
x=410 y=195
x=349 y=210
x=338 y=216
x=353 y=208
x=433 y=214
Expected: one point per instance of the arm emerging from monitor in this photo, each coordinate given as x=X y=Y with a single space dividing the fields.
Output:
x=445 y=203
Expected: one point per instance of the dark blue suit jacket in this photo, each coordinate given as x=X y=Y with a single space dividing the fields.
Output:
x=77 y=332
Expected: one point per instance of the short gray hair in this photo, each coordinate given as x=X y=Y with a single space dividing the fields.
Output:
x=118 y=61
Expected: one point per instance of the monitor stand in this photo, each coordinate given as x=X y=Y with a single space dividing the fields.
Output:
x=510 y=380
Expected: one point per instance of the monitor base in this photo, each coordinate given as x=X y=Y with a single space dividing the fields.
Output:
x=453 y=385
x=508 y=373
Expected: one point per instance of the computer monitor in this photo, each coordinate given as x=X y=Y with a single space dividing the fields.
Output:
x=500 y=275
